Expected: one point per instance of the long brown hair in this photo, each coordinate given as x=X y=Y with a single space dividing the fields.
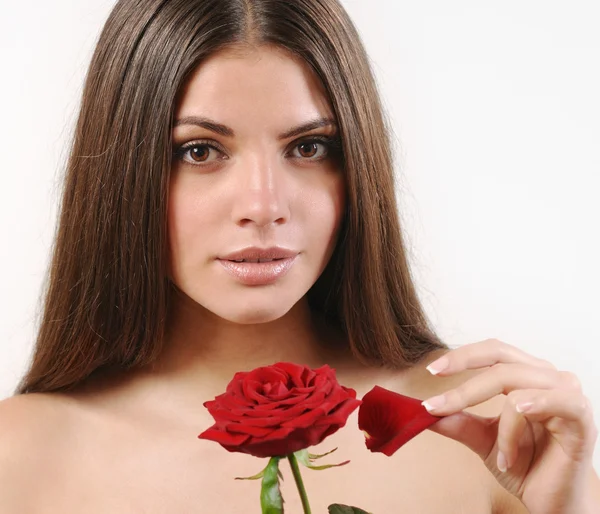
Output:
x=107 y=291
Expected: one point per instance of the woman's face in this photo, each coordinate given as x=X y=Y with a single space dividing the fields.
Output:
x=246 y=179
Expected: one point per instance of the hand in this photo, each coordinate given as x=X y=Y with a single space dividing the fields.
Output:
x=540 y=447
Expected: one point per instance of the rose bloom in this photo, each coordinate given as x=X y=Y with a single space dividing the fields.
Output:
x=280 y=409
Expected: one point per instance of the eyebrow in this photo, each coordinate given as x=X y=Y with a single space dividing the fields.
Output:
x=224 y=130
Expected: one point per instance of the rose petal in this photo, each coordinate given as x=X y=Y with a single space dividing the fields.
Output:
x=293 y=371
x=308 y=376
x=222 y=437
x=391 y=419
x=245 y=428
x=292 y=400
x=228 y=418
x=253 y=391
x=234 y=385
x=278 y=391
x=341 y=412
x=266 y=374
x=283 y=442
x=306 y=419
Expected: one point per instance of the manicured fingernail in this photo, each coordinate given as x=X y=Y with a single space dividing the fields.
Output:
x=439 y=365
x=502 y=464
x=434 y=403
x=524 y=407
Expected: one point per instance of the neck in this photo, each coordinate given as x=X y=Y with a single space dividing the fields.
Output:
x=202 y=347
x=202 y=352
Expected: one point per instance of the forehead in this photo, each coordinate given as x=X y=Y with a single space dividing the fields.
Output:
x=263 y=84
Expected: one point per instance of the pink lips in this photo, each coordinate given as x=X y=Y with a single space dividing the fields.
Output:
x=280 y=260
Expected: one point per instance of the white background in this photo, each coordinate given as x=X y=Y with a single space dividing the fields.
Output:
x=496 y=113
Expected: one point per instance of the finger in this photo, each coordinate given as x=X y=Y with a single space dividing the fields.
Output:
x=476 y=432
x=499 y=379
x=563 y=412
x=483 y=354
x=511 y=426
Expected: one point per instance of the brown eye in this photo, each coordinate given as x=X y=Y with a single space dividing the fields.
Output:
x=312 y=149
x=199 y=153
x=308 y=149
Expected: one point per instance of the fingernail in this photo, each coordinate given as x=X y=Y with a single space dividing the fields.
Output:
x=524 y=407
x=502 y=464
x=434 y=403
x=439 y=365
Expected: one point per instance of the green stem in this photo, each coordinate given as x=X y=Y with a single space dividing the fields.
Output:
x=298 y=478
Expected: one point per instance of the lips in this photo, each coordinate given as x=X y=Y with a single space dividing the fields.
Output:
x=258 y=266
x=255 y=254
x=254 y=260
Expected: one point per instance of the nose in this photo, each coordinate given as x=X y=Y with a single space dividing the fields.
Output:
x=260 y=193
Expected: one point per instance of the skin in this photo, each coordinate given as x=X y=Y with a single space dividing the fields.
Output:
x=255 y=190
x=128 y=442
x=542 y=443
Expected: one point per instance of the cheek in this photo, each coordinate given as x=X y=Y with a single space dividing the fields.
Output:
x=186 y=217
x=336 y=200
x=174 y=234
x=326 y=209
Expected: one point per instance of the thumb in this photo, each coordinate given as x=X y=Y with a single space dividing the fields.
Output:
x=476 y=432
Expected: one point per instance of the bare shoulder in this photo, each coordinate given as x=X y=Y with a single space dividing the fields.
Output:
x=30 y=425
x=24 y=418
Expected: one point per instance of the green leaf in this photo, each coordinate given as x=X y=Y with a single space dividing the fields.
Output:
x=312 y=456
x=305 y=458
x=271 y=501
x=327 y=466
x=338 y=508
x=253 y=477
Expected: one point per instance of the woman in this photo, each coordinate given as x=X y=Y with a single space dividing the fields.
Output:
x=213 y=136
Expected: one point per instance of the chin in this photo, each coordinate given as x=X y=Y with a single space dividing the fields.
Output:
x=252 y=316
x=246 y=307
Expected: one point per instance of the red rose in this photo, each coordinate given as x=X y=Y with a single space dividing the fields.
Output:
x=280 y=409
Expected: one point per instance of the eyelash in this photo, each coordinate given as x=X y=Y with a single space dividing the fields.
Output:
x=333 y=146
